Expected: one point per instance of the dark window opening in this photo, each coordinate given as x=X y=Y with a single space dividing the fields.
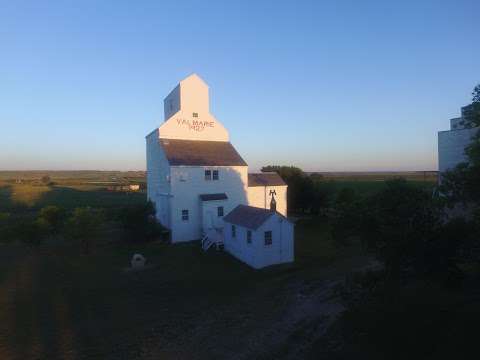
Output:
x=215 y=174
x=234 y=231
x=268 y=237
x=249 y=237
x=220 y=211
x=208 y=175
x=185 y=215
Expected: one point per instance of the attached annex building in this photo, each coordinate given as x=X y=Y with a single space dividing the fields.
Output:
x=195 y=177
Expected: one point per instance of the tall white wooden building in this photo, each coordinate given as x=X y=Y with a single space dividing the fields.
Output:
x=452 y=143
x=195 y=176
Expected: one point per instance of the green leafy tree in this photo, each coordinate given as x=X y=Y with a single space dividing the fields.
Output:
x=53 y=217
x=46 y=180
x=139 y=222
x=397 y=222
x=6 y=232
x=346 y=216
x=30 y=232
x=472 y=111
x=84 y=226
x=305 y=193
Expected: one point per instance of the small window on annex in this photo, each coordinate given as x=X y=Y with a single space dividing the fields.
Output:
x=215 y=175
x=234 y=231
x=268 y=238
x=195 y=115
x=208 y=174
x=249 y=237
x=184 y=215
x=220 y=211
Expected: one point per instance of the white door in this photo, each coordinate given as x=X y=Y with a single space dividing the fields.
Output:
x=208 y=219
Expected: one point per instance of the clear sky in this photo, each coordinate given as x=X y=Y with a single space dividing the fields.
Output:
x=324 y=85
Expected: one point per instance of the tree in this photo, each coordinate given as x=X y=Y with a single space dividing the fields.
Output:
x=305 y=193
x=46 y=180
x=53 y=217
x=396 y=222
x=6 y=232
x=452 y=242
x=346 y=216
x=472 y=111
x=84 y=226
x=30 y=232
x=139 y=222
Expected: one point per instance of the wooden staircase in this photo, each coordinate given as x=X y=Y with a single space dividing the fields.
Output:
x=213 y=237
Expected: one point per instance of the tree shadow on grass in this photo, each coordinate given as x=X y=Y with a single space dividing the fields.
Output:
x=21 y=198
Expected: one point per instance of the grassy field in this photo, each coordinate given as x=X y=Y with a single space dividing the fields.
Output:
x=58 y=304
x=88 y=188
x=18 y=197
x=368 y=187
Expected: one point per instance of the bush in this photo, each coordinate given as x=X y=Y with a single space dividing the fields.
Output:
x=6 y=231
x=399 y=221
x=306 y=193
x=30 y=232
x=84 y=226
x=139 y=222
x=53 y=218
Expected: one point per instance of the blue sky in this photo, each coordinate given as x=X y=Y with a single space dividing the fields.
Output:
x=324 y=85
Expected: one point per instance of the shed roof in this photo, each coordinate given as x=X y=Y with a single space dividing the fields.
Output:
x=265 y=179
x=201 y=153
x=249 y=216
x=211 y=197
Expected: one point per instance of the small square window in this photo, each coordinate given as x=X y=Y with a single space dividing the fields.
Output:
x=249 y=237
x=234 y=231
x=195 y=115
x=268 y=238
x=215 y=174
x=220 y=211
x=208 y=174
x=184 y=215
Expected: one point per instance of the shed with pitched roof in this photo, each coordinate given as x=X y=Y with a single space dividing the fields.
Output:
x=259 y=237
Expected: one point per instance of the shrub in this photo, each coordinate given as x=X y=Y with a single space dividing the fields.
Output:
x=139 y=222
x=84 y=226
x=53 y=218
x=6 y=232
x=30 y=232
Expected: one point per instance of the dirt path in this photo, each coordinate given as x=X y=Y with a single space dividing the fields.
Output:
x=314 y=308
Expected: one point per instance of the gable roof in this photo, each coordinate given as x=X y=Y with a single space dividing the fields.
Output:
x=249 y=216
x=265 y=179
x=201 y=153
x=211 y=197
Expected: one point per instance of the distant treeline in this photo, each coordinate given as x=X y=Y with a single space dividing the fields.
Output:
x=91 y=175
x=314 y=192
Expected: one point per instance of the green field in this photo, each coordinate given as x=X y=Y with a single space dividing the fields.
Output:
x=33 y=197
x=368 y=187
x=89 y=188
x=56 y=303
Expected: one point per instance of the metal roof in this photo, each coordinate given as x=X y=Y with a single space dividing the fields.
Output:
x=211 y=197
x=265 y=179
x=201 y=153
x=248 y=216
